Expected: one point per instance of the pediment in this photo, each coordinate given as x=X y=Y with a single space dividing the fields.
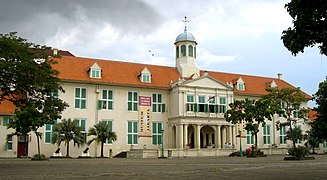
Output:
x=95 y=66
x=207 y=82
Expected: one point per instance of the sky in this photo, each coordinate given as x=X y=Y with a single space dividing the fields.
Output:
x=233 y=36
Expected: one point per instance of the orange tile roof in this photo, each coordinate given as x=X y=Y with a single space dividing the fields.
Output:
x=127 y=73
x=6 y=108
x=312 y=115
x=254 y=85
x=114 y=72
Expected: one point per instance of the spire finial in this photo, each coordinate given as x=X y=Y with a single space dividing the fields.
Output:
x=185 y=21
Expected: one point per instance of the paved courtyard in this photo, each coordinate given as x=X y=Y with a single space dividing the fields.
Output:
x=271 y=167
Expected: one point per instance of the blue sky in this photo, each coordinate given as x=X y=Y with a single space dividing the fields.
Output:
x=234 y=36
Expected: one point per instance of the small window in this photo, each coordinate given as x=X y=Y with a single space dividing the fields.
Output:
x=183 y=50
x=95 y=73
x=190 y=50
x=266 y=134
x=240 y=86
x=9 y=142
x=146 y=78
x=177 y=51
x=5 y=121
x=282 y=135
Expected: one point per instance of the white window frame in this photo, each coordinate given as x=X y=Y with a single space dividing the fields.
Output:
x=156 y=133
x=267 y=134
x=80 y=98
x=133 y=133
x=95 y=73
x=222 y=106
x=202 y=97
x=156 y=105
x=282 y=135
x=111 y=122
x=9 y=141
x=190 y=104
x=240 y=86
x=106 y=101
x=145 y=77
x=249 y=138
x=48 y=131
x=133 y=102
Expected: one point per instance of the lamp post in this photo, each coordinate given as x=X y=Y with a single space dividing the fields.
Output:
x=240 y=134
x=162 y=144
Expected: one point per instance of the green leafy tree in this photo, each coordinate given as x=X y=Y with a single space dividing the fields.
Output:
x=309 y=26
x=312 y=139
x=26 y=71
x=289 y=101
x=319 y=126
x=102 y=133
x=66 y=131
x=28 y=80
x=252 y=113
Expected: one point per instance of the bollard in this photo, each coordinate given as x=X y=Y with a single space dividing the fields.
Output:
x=110 y=153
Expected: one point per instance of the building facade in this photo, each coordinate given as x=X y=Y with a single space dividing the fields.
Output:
x=185 y=113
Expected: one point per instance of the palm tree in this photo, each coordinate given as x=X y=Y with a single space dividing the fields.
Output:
x=102 y=134
x=68 y=130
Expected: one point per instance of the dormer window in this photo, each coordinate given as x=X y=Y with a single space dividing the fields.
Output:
x=145 y=76
x=95 y=71
x=240 y=84
x=273 y=84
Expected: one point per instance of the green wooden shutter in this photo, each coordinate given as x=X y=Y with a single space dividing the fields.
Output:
x=206 y=108
x=195 y=107
x=99 y=104
x=163 y=107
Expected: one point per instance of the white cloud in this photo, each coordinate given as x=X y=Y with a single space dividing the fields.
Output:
x=207 y=58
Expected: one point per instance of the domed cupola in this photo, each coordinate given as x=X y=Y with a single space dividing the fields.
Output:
x=185 y=36
x=186 y=53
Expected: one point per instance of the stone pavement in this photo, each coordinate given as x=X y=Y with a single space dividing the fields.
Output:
x=271 y=167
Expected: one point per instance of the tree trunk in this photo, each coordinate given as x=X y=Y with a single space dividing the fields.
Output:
x=38 y=144
x=102 y=148
x=313 y=150
x=67 y=153
x=256 y=141
x=292 y=134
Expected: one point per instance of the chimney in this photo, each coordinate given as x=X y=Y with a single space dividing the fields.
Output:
x=279 y=75
x=55 y=52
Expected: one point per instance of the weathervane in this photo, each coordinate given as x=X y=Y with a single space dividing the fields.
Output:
x=185 y=21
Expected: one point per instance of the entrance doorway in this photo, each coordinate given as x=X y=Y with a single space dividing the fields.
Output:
x=22 y=147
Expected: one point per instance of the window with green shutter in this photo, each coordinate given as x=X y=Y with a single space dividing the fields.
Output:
x=190 y=105
x=156 y=133
x=132 y=101
x=109 y=122
x=5 y=121
x=80 y=98
x=107 y=100
x=282 y=135
x=222 y=105
x=157 y=105
x=83 y=125
x=266 y=134
x=132 y=132
x=249 y=137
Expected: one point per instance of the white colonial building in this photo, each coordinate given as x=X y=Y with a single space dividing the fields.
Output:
x=187 y=103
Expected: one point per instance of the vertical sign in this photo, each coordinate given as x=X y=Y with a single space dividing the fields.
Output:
x=145 y=117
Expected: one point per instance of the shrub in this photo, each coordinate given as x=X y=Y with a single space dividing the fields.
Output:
x=299 y=152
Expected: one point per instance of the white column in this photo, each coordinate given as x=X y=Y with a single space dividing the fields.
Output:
x=197 y=139
x=218 y=137
x=179 y=134
x=185 y=136
x=234 y=136
x=230 y=135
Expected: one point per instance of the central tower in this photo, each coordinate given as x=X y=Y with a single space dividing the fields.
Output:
x=186 y=53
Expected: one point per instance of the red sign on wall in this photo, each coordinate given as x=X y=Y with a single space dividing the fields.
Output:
x=144 y=101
